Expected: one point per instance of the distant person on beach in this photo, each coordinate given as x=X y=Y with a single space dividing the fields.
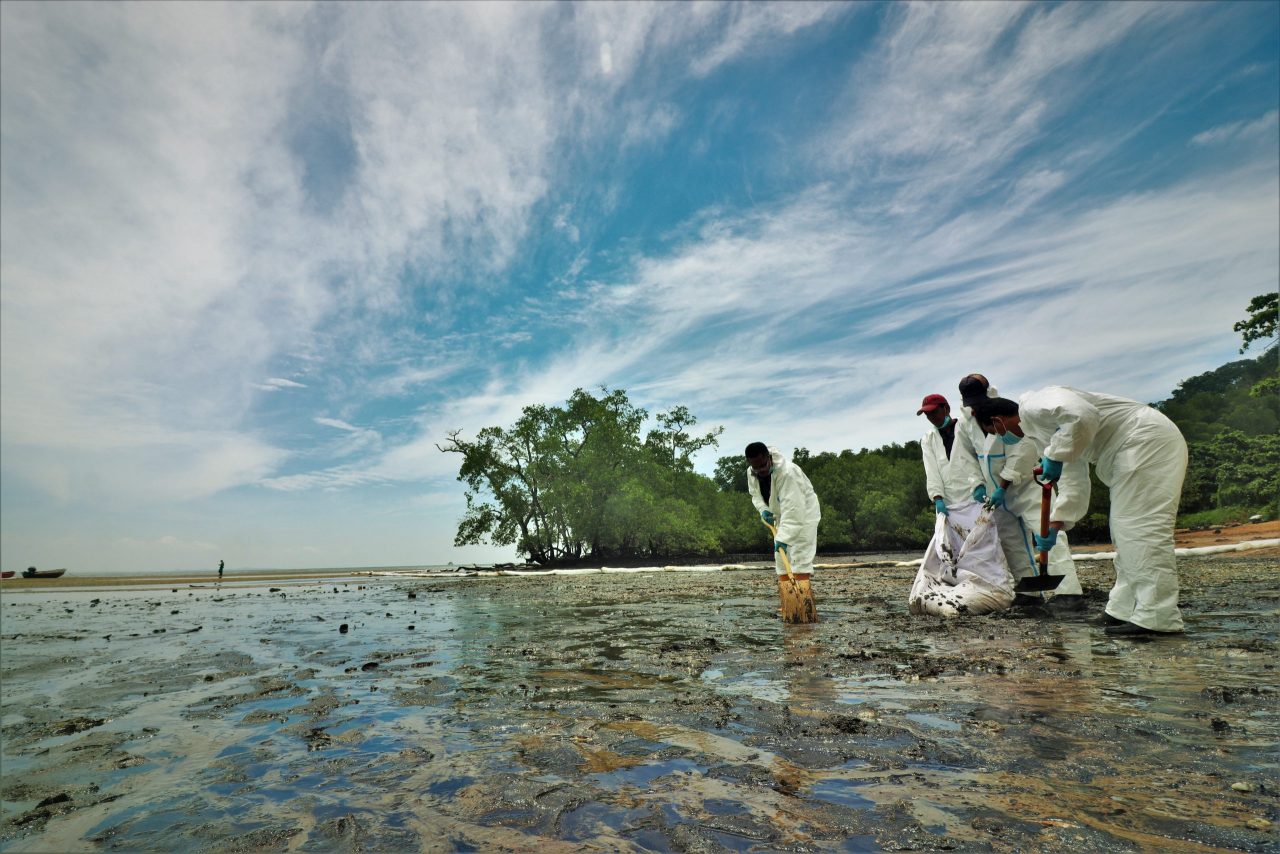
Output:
x=785 y=500
x=1001 y=475
x=935 y=447
x=220 y=565
x=1142 y=457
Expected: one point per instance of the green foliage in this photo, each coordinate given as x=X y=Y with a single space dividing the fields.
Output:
x=731 y=474
x=1224 y=399
x=1218 y=516
x=1260 y=325
x=1232 y=469
x=574 y=481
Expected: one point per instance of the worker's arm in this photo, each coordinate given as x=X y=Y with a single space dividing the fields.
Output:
x=1019 y=464
x=1070 y=421
x=930 y=447
x=965 y=472
x=753 y=487
x=1071 y=501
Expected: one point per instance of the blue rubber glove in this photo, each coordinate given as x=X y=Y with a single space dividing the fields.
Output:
x=996 y=499
x=940 y=506
x=980 y=492
x=767 y=515
x=1052 y=469
x=1043 y=544
x=779 y=546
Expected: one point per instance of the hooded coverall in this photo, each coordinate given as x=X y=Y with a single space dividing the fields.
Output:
x=794 y=505
x=986 y=460
x=1142 y=457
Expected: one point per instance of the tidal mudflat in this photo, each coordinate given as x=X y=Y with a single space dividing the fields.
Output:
x=666 y=711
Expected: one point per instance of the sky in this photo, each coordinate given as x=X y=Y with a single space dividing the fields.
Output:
x=258 y=260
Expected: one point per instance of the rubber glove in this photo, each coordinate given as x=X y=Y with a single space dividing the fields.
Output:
x=996 y=499
x=1043 y=544
x=767 y=515
x=779 y=546
x=980 y=492
x=940 y=506
x=1051 y=469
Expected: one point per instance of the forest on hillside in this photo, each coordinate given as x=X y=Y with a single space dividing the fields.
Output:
x=587 y=482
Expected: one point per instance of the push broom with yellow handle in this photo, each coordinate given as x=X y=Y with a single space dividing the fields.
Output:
x=795 y=590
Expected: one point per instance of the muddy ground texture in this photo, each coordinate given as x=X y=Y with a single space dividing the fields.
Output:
x=666 y=711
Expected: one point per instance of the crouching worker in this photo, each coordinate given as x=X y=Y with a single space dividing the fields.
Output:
x=1141 y=456
x=788 y=505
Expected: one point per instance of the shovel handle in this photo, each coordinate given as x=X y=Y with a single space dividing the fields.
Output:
x=1046 y=496
x=786 y=561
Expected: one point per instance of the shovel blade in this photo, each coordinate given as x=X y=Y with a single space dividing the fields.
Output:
x=1038 y=583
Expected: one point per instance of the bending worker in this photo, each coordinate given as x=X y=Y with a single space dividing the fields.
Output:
x=785 y=499
x=1001 y=475
x=1141 y=456
x=940 y=478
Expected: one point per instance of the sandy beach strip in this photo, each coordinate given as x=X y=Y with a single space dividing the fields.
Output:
x=203 y=579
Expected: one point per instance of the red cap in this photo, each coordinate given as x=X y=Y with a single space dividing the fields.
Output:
x=930 y=403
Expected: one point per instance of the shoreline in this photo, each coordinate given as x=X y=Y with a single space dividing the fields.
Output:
x=1183 y=538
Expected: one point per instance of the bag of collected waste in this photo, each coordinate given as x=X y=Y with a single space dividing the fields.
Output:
x=964 y=569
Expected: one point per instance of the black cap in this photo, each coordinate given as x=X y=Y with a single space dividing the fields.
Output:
x=972 y=391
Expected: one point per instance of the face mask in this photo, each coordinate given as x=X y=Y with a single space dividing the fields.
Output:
x=944 y=423
x=1010 y=438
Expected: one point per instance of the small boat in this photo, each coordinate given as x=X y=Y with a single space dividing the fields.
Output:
x=9 y=573
x=32 y=572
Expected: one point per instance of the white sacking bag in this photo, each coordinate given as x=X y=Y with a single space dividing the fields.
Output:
x=964 y=570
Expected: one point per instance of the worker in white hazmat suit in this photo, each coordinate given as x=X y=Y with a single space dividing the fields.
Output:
x=1142 y=457
x=1001 y=475
x=783 y=496
x=936 y=447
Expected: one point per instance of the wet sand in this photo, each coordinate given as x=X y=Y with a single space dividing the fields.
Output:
x=666 y=711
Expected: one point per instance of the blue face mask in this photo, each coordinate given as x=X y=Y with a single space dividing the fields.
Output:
x=944 y=423
x=1009 y=438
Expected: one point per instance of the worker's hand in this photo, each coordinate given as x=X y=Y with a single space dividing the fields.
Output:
x=980 y=492
x=1043 y=544
x=767 y=515
x=940 y=506
x=996 y=499
x=779 y=546
x=1051 y=470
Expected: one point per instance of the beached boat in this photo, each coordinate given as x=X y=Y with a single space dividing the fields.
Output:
x=7 y=574
x=32 y=572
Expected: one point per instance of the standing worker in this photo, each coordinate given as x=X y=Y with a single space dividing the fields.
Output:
x=936 y=449
x=1001 y=475
x=787 y=503
x=220 y=565
x=1142 y=457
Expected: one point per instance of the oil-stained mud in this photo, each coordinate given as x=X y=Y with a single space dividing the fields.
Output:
x=670 y=711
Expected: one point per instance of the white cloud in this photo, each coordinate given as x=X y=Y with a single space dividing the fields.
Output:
x=751 y=27
x=1261 y=126
x=277 y=383
x=956 y=90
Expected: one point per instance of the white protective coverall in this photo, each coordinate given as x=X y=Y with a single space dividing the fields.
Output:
x=964 y=570
x=940 y=477
x=795 y=510
x=1140 y=454
x=984 y=459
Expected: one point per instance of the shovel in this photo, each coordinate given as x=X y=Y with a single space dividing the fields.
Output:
x=1042 y=580
x=795 y=591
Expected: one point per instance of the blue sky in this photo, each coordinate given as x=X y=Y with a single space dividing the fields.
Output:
x=256 y=260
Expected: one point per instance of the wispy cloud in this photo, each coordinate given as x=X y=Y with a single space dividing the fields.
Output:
x=1261 y=126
